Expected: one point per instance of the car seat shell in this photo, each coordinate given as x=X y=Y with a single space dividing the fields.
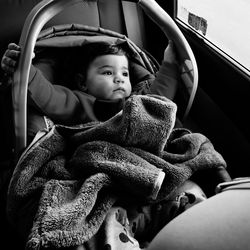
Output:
x=35 y=21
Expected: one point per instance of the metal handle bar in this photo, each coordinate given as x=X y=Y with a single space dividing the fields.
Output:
x=34 y=22
x=171 y=30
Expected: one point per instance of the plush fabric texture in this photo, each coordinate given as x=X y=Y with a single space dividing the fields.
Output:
x=65 y=183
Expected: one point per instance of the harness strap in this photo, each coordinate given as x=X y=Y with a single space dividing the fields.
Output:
x=111 y=16
x=134 y=23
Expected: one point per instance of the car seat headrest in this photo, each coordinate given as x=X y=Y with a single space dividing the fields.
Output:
x=59 y=45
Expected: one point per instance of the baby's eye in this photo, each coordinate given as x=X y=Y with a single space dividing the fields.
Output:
x=107 y=72
x=125 y=74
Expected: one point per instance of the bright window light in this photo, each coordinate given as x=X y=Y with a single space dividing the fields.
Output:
x=225 y=23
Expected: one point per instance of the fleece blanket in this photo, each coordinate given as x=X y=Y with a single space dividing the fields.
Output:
x=67 y=183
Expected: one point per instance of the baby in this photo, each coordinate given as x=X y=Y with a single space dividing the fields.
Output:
x=102 y=80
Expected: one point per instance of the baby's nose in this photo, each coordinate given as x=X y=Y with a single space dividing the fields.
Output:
x=119 y=79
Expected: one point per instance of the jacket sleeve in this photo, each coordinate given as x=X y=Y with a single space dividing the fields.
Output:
x=166 y=81
x=59 y=103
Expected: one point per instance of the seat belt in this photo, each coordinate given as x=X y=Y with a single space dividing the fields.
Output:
x=110 y=15
x=134 y=23
x=124 y=17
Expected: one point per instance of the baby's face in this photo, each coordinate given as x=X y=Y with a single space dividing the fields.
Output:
x=108 y=77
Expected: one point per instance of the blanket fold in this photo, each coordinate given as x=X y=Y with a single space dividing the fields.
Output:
x=77 y=174
x=146 y=123
x=131 y=171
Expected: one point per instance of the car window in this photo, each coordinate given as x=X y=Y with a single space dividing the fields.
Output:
x=222 y=23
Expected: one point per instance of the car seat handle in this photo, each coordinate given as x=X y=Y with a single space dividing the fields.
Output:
x=34 y=22
x=189 y=70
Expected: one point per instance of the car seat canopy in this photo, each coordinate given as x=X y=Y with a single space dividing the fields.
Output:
x=63 y=41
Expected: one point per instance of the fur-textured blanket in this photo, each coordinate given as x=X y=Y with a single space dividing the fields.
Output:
x=73 y=176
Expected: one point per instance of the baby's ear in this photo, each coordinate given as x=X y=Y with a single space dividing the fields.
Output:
x=80 y=81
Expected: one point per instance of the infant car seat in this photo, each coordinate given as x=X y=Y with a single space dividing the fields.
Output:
x=45 y=11
x=130 y=21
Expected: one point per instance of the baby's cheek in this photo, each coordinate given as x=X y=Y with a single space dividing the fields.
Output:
x=129 y=90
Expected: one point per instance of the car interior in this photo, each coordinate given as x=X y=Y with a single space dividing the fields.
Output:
x=215 y=105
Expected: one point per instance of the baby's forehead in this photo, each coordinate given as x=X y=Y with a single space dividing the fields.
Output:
x=111 y=61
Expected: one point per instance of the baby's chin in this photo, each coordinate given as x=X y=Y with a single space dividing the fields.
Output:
x=118 y=95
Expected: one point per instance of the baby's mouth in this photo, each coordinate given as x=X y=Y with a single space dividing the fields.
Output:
x=119 y=90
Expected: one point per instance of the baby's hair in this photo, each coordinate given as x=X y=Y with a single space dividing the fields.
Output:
x=91 y=51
